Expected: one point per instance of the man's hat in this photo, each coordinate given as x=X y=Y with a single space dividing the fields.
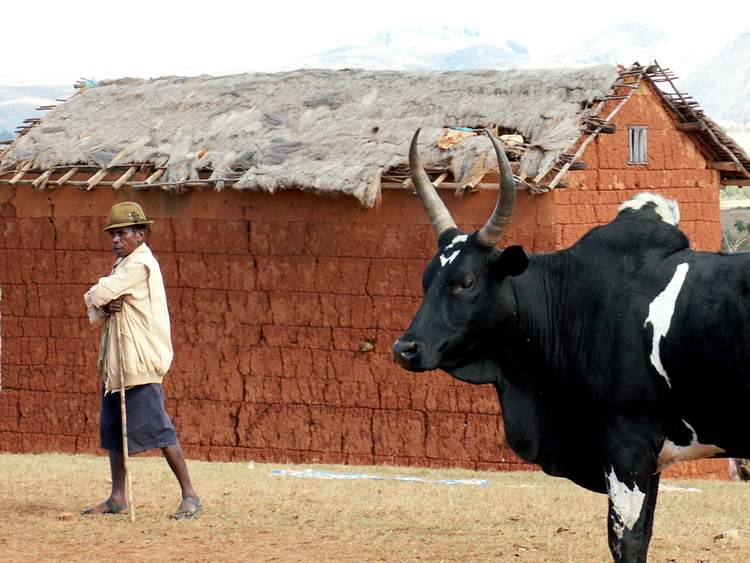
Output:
x=126 y=214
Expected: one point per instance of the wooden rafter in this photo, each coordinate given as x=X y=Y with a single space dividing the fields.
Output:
x=442 y=186
x=65 y=177
x=124 y=178
x=726 y=166
x=154 y=177
x=691 y=126
x=96 y=178
x=24 y=168
x=41 y=181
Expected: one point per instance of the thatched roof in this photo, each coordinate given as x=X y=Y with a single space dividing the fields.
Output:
x=343 y=131
x=320 y=130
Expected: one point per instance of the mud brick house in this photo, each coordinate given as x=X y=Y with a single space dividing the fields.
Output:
x=284 y=300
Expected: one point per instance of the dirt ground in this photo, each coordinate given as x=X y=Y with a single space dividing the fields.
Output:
x=252 y=515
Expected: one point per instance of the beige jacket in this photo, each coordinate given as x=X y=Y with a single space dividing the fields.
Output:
x=143 y=323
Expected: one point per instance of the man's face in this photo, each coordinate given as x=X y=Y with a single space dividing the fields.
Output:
x=125 y=240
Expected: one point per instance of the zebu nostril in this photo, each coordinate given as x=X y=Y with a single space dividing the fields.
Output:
x=405 y=351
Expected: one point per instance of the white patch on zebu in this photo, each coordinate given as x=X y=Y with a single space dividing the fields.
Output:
x=672 y=453
x=456 y=240
x=660 y=313
x=626 y=503
x=666 y=208
x=448 y=259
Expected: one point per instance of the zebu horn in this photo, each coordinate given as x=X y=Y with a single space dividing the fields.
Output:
x=438 y=213
x=506 y=199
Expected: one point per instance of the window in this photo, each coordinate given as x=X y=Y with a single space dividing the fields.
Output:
x=637 y=137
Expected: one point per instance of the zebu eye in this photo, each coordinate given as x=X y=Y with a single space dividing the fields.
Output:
x=465 y=284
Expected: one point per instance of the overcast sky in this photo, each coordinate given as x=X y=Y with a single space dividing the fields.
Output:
x=58 y=42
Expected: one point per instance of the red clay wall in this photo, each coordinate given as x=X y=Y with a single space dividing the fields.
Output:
x=272 y=298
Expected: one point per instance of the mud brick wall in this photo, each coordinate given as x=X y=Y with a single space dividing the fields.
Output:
x=284 y=308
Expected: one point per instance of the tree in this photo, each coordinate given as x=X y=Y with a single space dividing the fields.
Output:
x=734 y=238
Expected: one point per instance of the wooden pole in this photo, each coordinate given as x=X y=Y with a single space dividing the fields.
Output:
x=65 y=177
x=124 y=178
x=124 y=419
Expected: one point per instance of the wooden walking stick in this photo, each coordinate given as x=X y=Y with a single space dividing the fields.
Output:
x=124 y=422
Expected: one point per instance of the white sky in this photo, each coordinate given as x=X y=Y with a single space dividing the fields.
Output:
x=58 y=42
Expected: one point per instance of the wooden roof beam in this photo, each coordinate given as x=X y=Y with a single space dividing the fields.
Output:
x=25 y=168
x=65 y=177
x=96 y=178
x=607 y=128
x=41 y=181
x=154 y=177
x=727 y=166
x=124 y=178
x=691 y=126
x=442 y=186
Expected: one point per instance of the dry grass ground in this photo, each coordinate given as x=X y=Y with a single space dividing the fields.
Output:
x=251 y=515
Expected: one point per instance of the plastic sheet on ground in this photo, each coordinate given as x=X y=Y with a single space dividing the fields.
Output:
x=346 y=475
x=663 y=488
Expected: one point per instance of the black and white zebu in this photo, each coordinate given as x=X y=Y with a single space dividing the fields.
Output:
x=612 y=359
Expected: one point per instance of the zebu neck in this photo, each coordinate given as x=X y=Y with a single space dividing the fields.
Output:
x=542 y=293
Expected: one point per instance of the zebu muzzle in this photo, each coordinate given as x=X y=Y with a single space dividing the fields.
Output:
x=413 y=355
x=417 y=356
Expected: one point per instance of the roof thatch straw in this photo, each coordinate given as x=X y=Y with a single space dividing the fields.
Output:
x=319 y=130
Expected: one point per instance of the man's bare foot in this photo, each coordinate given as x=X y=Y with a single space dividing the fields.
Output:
x=109 y=506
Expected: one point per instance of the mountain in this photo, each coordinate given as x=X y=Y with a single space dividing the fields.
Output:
x=722 y=85
x=483 y=56
x=444 y=48
x=624 y=44
x=452 y=49
x=20 y=102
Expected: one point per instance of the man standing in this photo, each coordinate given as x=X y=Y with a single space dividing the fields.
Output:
x=130 y=306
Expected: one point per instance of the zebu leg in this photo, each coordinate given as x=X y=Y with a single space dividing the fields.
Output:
x=632 y=500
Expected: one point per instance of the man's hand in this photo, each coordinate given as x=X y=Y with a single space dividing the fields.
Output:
x=114 y=306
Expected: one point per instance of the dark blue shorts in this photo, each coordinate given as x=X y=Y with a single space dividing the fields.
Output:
x=149 y=425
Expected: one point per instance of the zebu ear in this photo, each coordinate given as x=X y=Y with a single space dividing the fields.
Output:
x=513 y=261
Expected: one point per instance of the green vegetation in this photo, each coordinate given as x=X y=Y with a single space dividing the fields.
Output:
x=735 y=192
x=737 y=237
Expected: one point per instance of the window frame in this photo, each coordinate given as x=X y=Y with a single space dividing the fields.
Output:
x=637 y=144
